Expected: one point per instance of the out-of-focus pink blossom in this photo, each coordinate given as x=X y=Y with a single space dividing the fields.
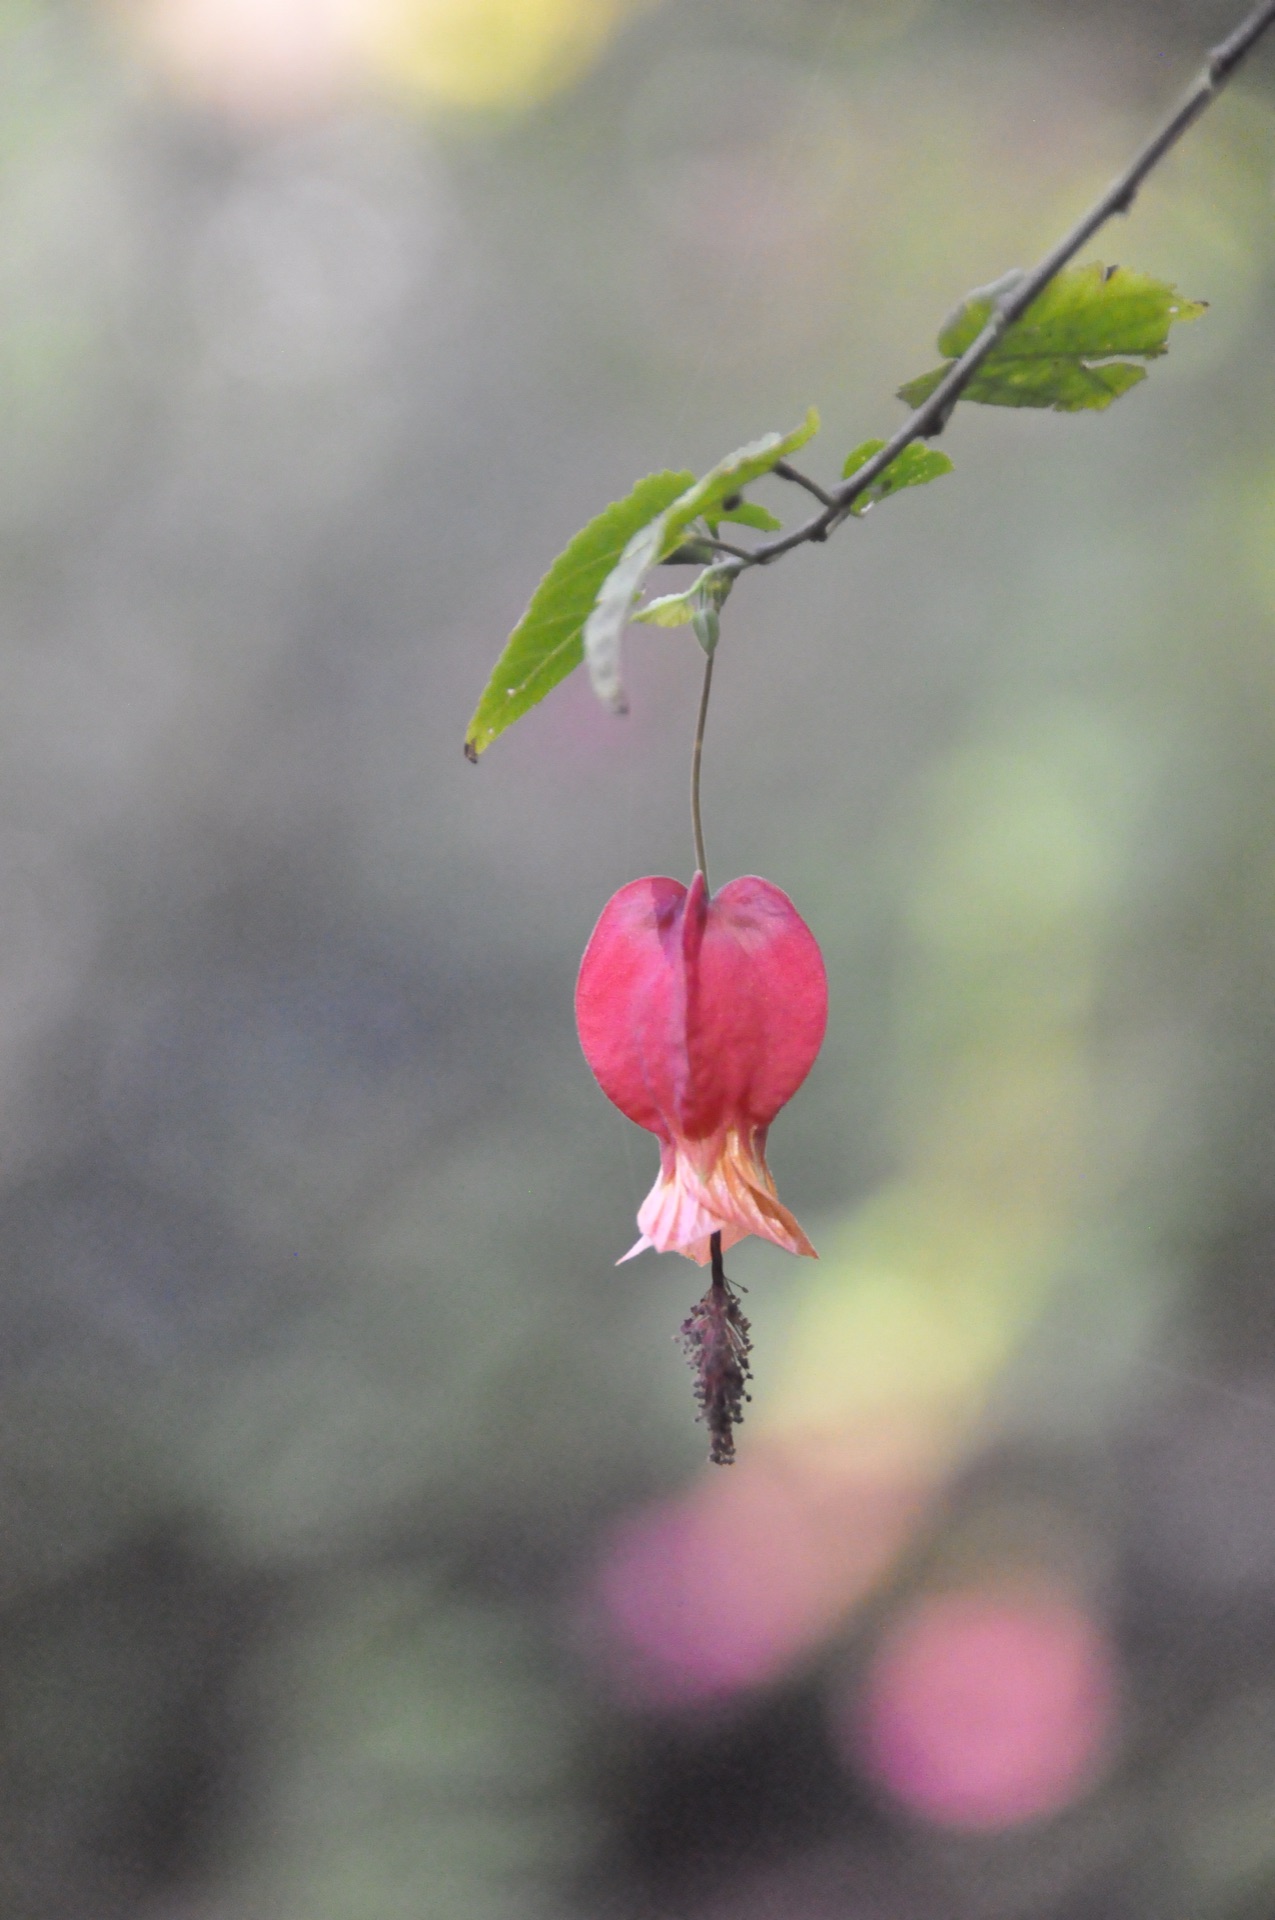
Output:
x=701 y=1017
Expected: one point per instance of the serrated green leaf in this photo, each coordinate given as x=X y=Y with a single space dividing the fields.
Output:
x=1068 y=386
x=604 y=628
x=1090 y=312
x=547 y=642
x=911 y=468
x=1046 y=359
x=747 y=514
x=860 y=456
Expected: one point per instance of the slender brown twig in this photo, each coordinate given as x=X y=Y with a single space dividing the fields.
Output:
x=932 y=415
x=725 y=546
x=786 y=471
x=715 y=1334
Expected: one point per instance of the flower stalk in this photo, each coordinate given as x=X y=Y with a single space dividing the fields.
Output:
x=697 y=756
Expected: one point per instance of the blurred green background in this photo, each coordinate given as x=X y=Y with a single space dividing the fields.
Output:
x=358 y=1560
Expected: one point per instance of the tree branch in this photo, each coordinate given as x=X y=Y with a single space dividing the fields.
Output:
x=932 y=415
x=787 y=471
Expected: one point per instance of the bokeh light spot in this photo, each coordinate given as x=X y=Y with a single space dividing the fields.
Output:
x=253 y=59
x=268 y=60
x=986 y=1709
x=491 y=53
x=730 y=1586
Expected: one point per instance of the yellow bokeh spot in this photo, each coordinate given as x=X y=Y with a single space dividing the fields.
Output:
x=912 y=1311
x=490 y=53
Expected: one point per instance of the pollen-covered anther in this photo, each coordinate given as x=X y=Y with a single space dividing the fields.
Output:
x=714 y=1337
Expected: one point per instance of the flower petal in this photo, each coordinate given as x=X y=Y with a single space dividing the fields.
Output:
x=728 y=1190
x=701 y=1014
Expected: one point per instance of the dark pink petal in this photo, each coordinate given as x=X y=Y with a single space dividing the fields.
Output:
x=698 y=1014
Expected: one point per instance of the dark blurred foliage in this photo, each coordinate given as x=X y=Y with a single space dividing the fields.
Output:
x=359 y=1561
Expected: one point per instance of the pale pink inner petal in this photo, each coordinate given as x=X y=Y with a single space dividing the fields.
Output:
x=709 y=1187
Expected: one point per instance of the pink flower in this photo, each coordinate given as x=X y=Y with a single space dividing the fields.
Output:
x=701 y=1018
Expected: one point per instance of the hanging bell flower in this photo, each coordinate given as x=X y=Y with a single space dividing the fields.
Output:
x=700 y=1018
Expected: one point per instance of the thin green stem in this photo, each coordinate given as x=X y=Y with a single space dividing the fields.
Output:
x=697 y=755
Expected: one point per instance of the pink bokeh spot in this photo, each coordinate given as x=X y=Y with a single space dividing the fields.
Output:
x=255 y=59
x=698 y=1619
x=729 y=1587
x=987 y=1709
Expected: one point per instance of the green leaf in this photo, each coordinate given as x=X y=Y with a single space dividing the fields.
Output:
x=604 y=628
x=670 y=610
x=738 y=470
x=679 y=609
x=548 y=641
x=1068 y=386
x=911 y=468
x=747 y=514
x=1047 y=358
x=1091 y=311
